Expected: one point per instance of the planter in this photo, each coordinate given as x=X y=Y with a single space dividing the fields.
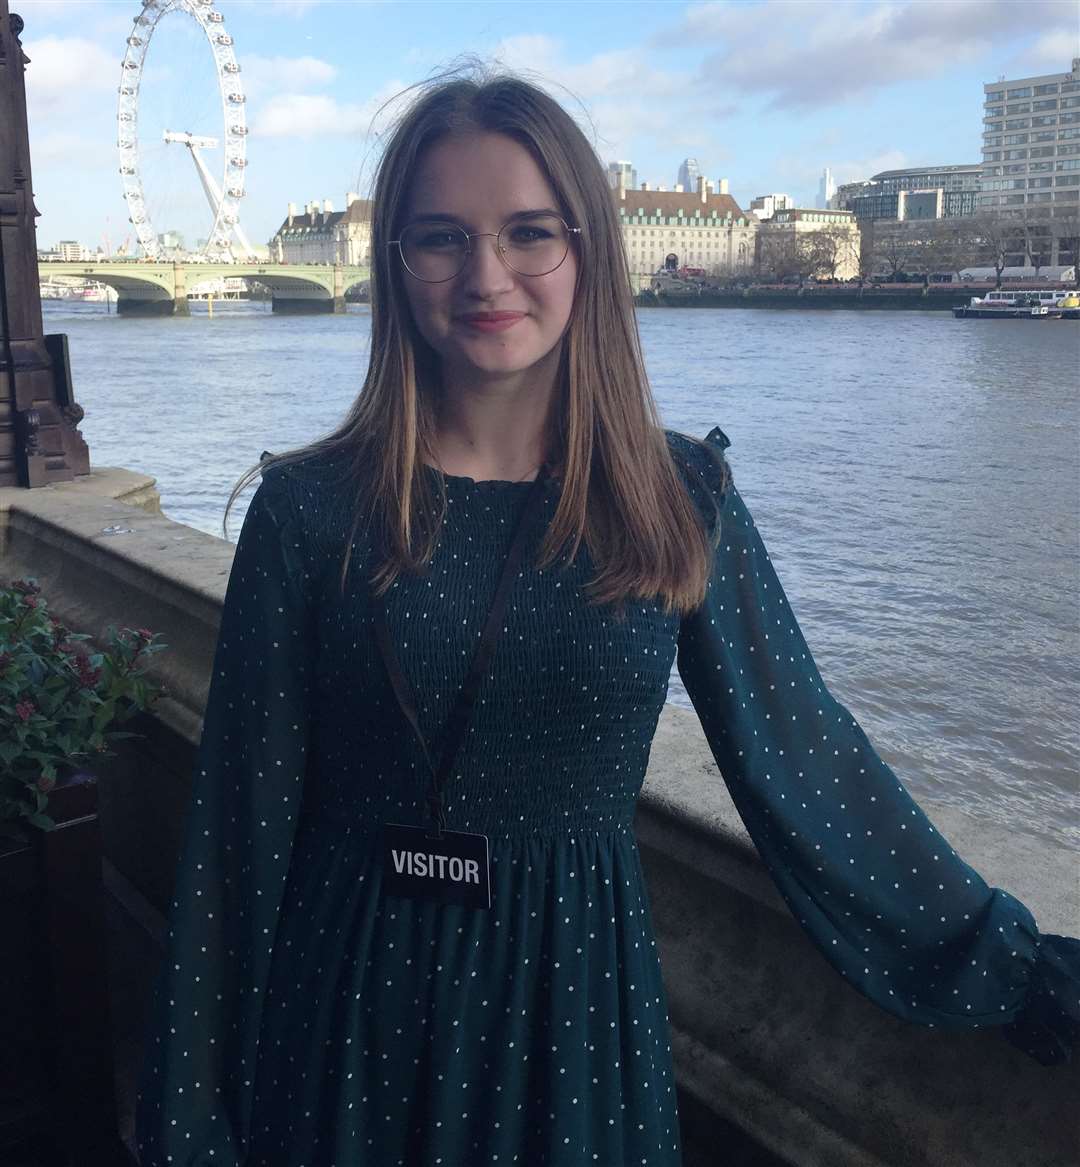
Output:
x=57 y=1088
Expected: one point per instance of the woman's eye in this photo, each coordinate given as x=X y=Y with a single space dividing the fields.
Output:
x=529 y=235
x=439 y=239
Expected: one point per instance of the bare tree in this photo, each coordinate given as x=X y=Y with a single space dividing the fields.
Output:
x=1066 y=229
x=891 y=247
x=997 y=236
x=1038 y=237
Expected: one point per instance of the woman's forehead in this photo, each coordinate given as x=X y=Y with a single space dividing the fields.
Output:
x=478 y=175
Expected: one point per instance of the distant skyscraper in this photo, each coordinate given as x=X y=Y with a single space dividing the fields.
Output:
x=826 y=188
x=624 y=168
x=689 y=173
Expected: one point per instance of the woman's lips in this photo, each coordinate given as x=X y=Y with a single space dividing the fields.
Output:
x=492 y=321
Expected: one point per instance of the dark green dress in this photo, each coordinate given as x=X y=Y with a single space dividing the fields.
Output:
x=304 y=1019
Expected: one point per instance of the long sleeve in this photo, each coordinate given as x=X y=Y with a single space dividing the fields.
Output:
x=875 y=885
x=195 y=1090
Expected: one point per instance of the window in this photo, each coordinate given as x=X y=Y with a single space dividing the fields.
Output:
x=1041 y=197
x=1046 y=120
x=1070 y=86
x=1022 y=107
x=1070 y=102
x=1018 y=124
x=1013 y=200
x=1037 y=105
x=1039 y=182
x=1014 y=139
x=1041 y=152
x=1016 y=168
x=1046 y=88
x=1069 y=119
x=992 y=141
x=1067 y=180
x=990 y=171
x=1024 y=92
x=993 y=156
x=995 y=95
x=1065 y=135
x=993 y=111
x=1068 y=164
x=1009 y=154
x=1037 y=166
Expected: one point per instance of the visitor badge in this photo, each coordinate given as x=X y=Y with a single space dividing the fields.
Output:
x=451 y=869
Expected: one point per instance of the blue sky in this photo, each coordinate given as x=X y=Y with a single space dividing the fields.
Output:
x=764 y=93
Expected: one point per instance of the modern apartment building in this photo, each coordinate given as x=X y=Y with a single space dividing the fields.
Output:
x=1031 y=142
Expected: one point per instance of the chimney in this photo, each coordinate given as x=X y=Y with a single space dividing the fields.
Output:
x=703 y=189
x=328 y=207
x=622 y=184
x=350 y=198
x=661 y=187
x=292 y=213
x=678 y=188
x=723 y=186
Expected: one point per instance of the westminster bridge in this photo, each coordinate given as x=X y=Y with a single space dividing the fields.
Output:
x=150 y=288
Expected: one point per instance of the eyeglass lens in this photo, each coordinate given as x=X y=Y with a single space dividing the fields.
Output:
x=531 y=246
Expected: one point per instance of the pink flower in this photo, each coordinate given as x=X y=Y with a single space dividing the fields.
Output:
x=24 y=709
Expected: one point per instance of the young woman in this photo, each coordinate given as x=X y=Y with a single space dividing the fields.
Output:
x=410 y=929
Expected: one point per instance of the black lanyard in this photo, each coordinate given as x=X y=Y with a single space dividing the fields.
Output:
x=458 y=720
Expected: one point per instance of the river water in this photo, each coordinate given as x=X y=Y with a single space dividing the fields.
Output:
x=915 y=478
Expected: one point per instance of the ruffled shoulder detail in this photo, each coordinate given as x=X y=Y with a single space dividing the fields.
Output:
x=705 y=470
x=275 y=495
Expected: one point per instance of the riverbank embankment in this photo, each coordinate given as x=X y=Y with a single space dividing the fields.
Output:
x=916 y=298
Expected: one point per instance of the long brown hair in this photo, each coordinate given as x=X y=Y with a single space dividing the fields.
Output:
x=621 y=491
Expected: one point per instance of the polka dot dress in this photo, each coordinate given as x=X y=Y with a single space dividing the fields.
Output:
x=305 y=1018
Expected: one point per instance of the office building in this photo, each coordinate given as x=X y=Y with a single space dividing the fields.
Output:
x=917 y=192
x=689 y=173
x=624 y=171
x=826 y=189
x=1031 y=142
x=765 y=206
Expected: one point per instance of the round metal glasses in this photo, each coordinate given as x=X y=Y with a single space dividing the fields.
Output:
x=531 y=245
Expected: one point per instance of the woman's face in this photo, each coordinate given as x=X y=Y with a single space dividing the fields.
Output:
x=479 y=181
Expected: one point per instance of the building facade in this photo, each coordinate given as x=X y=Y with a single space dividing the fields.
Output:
x=323 y=235
x=1031 y=142
x=676 y=229
x=813 y=242
x=947 y=191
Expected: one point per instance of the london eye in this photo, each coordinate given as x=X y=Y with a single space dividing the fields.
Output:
x=184 y=99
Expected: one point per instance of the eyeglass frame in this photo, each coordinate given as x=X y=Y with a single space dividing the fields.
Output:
x=499 y=251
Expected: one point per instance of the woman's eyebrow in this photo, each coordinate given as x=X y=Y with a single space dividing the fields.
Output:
x=446 y=217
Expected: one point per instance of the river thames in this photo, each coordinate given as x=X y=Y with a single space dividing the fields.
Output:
x=915 y=478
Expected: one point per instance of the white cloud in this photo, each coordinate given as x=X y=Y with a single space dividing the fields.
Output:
x=807 y=53
x=64 y=69
x=309 y=115
x=289 y=73
x=1052 y=52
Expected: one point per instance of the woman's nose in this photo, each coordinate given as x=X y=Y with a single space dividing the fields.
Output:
x=485 y=270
